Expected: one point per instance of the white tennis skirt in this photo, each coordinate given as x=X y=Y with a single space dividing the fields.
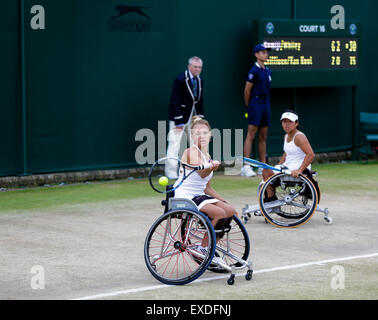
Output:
x=200 y=201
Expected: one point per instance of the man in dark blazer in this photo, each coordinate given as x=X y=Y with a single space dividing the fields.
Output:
x=186 y=101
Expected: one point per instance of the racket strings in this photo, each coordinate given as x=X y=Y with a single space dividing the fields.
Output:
x=167 y=172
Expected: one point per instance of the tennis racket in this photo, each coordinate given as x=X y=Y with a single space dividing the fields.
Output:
x=159 y=182
x=259 y=164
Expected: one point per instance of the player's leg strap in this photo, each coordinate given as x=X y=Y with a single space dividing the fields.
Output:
x=308 y=174
x=222 y=226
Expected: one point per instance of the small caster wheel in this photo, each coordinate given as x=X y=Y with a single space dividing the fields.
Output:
x=328 y=220
x=231 y=280
x=266 y=221
x=245 y=219
x=248 y=275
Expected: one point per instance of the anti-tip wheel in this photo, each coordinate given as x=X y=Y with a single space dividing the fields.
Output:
x=257 y=213
x=248 y=275
x=328 y=220
x=231 y=280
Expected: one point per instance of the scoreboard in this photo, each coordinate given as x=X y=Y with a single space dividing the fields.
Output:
x=303 y=53
x=310 y=53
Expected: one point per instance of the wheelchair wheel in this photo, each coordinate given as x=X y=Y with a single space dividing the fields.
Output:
x=296 y=201
x=235 y=240
x=169 y=246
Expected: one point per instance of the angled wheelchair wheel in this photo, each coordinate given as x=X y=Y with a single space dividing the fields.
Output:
x=233 y=241
x=296 y=201
x=169 y=249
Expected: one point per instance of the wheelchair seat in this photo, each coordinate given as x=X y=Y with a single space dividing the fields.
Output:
x=220 y=229
x=181 y=203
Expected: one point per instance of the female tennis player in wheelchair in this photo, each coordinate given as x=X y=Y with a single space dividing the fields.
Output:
x=199 y=230
x=289 y=198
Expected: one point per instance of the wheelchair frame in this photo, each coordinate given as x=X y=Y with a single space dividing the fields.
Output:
x=266 y=209
x=177 y=206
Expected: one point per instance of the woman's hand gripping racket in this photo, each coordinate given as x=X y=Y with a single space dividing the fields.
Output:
x=259 y=164
x=159 y=181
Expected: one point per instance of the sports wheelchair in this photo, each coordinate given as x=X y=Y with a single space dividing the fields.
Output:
x=294 y=203
x=169 y=246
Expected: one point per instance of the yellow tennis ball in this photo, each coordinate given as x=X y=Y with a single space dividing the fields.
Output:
x=163 y=181
x=246 y=115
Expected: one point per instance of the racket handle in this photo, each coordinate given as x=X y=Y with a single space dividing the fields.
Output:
x=205 y=166
x=283 y=169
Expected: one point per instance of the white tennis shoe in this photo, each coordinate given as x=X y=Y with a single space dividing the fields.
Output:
x=218 y=260
x=247 y=171
x=203 y=252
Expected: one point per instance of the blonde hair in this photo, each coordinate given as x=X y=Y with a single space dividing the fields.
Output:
x=198 y=120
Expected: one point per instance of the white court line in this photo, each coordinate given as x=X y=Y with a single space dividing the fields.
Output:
x=289 y=267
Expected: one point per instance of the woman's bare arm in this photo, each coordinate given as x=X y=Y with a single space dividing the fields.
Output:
x=302 y=142
x=212 y=193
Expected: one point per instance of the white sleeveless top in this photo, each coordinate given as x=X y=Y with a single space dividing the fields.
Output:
x=193 y=185
x=294 y=154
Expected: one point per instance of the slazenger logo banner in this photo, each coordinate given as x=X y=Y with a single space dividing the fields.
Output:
x=131 y=18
